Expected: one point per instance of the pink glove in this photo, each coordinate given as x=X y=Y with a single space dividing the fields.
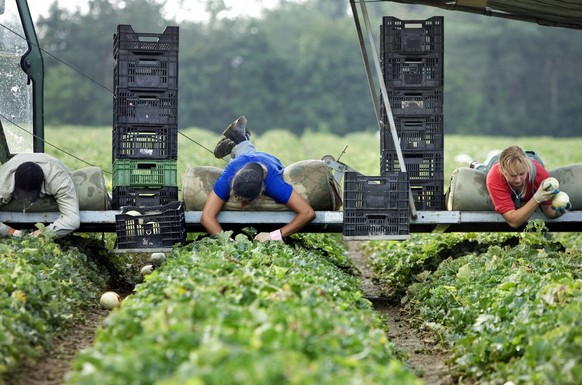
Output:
x=272 y=236
x=14 y=233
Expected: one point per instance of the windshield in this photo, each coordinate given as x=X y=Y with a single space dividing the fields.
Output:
x=15 y=94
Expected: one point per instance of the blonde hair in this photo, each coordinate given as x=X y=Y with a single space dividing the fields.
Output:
x=513 y=161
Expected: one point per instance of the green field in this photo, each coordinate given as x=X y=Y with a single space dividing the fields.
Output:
x=503 y=306
x=76 y=145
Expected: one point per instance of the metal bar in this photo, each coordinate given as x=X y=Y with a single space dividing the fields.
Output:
x=325 y=221
x=32 y=64
x=339 y=168
x=366 y=60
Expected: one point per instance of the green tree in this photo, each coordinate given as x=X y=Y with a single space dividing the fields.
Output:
x=510 y=78
x=299 y=67
x=335 y=10
x=330 y=89
x=79 y=60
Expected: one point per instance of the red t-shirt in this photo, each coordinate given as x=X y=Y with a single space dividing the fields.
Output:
x=500 y=191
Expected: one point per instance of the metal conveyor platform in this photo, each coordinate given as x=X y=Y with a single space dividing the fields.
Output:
x=325 y=221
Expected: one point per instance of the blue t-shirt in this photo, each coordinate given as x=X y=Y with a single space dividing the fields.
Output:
x=275 y=185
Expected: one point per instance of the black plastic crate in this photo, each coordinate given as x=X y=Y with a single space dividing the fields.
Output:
x=419 y=166
x=146 y=72
x=413 y=71
x=415 y=133
x=416 y=101
x=127 y=40
x=428 y=195
x=136 y=141
x=412 y=36
x=376 y=206
x=143 y=197
x=151 y=227
x=142 y=107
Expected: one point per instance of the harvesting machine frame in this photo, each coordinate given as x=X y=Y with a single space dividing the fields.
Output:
x=325 y=221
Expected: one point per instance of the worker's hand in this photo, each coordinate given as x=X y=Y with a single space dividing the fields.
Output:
x=542 y=195
x=563 y=208
x=14 y=233
x=262 y=237
x=272 y=236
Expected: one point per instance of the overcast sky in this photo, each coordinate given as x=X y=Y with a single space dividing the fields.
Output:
x=191 y=9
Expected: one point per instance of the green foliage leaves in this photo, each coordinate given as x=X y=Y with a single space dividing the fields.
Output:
x=241 y=312
x=508 y=304
x=43 y=287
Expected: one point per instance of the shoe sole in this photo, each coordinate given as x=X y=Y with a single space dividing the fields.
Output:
x=242 y=122
x=223 y=148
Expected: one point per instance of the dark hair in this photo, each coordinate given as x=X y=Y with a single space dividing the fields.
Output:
x=247 y=183
x=28 y=179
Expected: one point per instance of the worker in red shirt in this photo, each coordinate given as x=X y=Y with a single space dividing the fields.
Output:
x=518 y=185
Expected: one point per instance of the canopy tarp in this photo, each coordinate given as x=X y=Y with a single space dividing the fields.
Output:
x=555 y=13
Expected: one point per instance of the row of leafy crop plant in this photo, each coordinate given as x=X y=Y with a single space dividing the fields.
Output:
x=508 y=306
x=43 y=287
x=217 y=311
x=241 y=312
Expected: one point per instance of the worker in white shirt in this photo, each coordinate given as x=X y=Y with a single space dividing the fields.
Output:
x=26 y=177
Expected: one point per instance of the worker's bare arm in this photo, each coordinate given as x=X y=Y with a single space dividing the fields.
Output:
x=305 y=214
x=210 y=212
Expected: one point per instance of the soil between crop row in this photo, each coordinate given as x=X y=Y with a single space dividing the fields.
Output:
x=418 y=350
x=56 y=362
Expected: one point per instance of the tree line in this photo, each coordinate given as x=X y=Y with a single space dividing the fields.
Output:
x=298 y=67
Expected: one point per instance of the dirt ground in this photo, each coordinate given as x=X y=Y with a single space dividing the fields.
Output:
x=419 y=350
x=51 y=368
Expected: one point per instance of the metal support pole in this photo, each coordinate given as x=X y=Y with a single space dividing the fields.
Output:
x=383 y=90
x=366 y=64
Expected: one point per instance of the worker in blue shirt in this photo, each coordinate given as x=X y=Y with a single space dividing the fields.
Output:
x=249 y=174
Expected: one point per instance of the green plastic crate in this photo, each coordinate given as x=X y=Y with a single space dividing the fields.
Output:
x=141 y=173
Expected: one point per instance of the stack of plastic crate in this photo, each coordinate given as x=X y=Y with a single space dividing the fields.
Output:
x=145 y=139
x=413 y=68
x=145 y=117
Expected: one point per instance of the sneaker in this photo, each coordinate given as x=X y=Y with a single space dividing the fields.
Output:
x=224 y=148
x=237 y=131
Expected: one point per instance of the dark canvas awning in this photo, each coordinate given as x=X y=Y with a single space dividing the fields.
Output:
x=555 y=13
